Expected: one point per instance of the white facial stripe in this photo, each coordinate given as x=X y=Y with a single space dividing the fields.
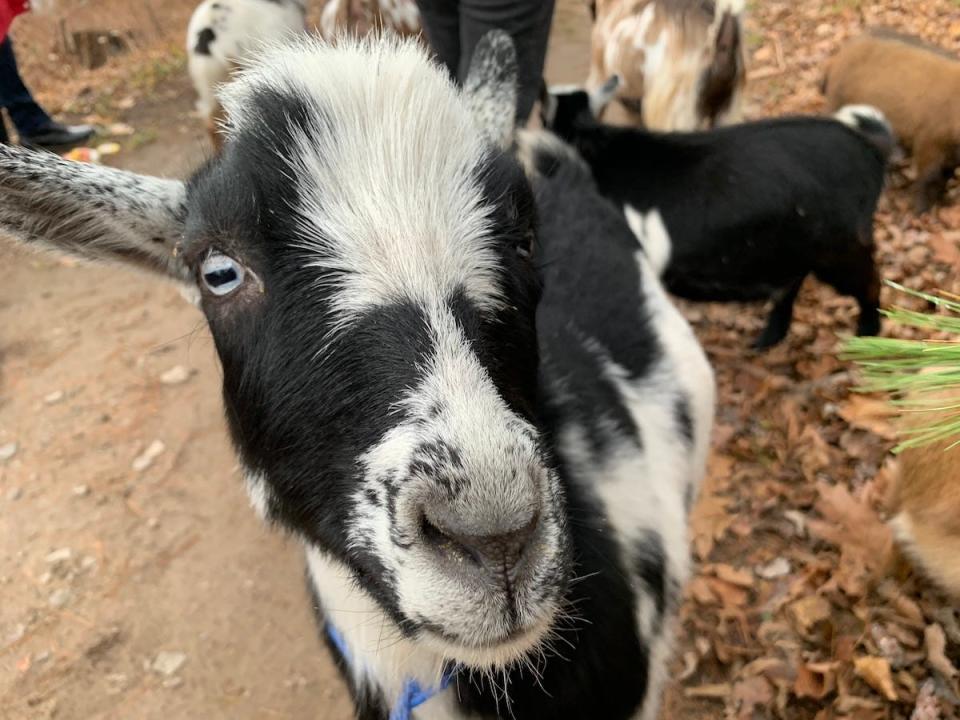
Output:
x=392 y=208
x=501 y=477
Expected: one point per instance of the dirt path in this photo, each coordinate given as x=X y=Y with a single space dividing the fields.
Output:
x=167 y=559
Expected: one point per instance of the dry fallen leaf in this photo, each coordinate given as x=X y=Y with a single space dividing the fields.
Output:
x=875 y=671
x=710 y=521
x=937 y=658
x=927 y=707
x=945 y=248
x=808 y=612
x=713 y=692
x=739 y=577
x=815 y=680
x=750 y=694
x=867 y=413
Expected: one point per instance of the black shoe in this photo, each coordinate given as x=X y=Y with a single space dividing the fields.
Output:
x=56 y=135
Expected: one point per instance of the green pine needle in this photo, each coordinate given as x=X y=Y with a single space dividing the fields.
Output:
x=915 y=373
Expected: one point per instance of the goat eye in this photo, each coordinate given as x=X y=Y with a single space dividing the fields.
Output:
x=221 y=274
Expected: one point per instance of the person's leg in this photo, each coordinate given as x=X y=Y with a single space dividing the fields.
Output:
x=27 y=117
x=441 y=23
x=527 y=22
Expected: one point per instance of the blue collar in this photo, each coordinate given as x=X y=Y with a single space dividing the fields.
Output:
x=412 y=695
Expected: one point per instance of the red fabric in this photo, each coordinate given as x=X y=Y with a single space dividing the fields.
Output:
x=9 y=9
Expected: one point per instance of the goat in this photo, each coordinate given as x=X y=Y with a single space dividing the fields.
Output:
x=481 y=455
x=744 y=212
x=925 y=497
x=359 y=17
x=682 y=62
x=917 y=86
x=222 y=35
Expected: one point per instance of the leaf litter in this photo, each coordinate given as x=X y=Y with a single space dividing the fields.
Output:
x=801 y=606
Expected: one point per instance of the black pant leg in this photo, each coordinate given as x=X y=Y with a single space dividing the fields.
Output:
x=441 y=24
x=26 y=115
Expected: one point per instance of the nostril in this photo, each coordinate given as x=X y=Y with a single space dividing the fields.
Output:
x=500 y=552
x=435 y=537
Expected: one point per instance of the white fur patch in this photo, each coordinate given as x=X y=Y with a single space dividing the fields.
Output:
x=259 y=492
x=240 y=28
x=851 y=115
x=643 y=490
x=651 y=233
x=381 y=658
x=391 y=210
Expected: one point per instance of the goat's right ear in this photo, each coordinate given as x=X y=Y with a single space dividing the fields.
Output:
x=92 y=212
x=490 y=89
x=603 y=95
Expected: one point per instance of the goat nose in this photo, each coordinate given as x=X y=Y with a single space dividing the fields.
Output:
x=498 y=553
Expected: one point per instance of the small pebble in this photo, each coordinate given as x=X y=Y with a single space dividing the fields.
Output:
x=14 y=493
x=7 y=451
x=54 y=397
x=45 y=578
x=167 y=662
x=18 y=631
x=153 y=523
x=81 y=490
x=146 y=458
x=59 y=598
x=116 y=683
x=175 y=375
x=42 y=656
x=59 y=556
x=173 y=682
x=88 y=562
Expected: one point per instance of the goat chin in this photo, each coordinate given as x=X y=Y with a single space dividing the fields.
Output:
x=500 y=655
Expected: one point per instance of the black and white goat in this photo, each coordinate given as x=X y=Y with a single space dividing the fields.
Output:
x=478 y=471
x=744 y=212
x=224 y=34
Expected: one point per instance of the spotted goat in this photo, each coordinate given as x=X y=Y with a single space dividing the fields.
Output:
x=486 y=429
x=222 y=35
x=359 y=17
x=682 y=63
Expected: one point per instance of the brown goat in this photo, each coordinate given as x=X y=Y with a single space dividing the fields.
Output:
x=682 y=63
x=917 y=87
x=925 y=502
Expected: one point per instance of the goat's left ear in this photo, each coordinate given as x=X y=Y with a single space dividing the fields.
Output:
x=601 y=97
x=490 y=89
x=92 y=212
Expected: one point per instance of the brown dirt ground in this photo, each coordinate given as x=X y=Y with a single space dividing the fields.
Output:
x=172 y=558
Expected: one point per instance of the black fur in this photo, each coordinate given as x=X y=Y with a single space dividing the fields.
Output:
x=750 y=209
x=204 y=38
x=586 y=256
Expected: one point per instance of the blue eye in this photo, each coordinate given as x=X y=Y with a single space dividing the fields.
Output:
x=221 y=274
